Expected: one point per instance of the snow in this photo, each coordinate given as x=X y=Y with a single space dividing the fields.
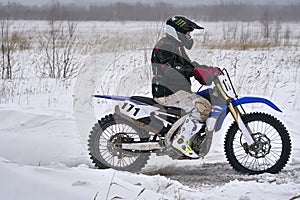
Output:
x=43 y=134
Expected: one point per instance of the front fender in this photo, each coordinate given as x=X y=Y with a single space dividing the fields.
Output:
x=246 y=100
x=237 y=102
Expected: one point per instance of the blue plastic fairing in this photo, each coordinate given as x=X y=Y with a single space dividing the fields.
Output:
x=246 y=100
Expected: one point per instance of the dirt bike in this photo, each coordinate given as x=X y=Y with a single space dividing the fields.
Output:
x=255 y=142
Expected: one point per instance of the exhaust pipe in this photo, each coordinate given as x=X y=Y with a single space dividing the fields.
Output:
x=143 y=146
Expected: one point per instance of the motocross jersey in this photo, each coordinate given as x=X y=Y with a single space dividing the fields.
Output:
x=171 y=68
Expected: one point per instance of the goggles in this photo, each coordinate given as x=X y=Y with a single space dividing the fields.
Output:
x=188 y=35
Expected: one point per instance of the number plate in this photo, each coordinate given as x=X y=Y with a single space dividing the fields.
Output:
x=227 y=87
x=136 y=111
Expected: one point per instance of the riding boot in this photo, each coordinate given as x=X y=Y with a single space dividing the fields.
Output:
x=181 y=141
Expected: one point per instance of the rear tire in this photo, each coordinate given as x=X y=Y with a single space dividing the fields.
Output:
x=272 y=147
x=105 y=144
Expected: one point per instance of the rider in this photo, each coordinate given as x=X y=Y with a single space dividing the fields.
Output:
x=171 y=85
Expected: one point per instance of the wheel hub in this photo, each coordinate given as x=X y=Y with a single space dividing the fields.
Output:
x=114 y=145
x=261 y=146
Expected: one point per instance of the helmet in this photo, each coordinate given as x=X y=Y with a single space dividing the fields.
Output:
x=180 y=27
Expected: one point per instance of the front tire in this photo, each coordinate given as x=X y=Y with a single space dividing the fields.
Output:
x=270 y=152
x=105 y=143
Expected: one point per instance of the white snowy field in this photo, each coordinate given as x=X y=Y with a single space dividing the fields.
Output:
x=44 y=123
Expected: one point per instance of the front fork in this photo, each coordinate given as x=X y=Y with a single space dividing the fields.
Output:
x=236 y=113
x=237 y=117
x=226 y=90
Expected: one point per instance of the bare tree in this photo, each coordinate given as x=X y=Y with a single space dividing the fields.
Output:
x=266 y=23
x=59 y=45
x=69 y=67
x=6 y=46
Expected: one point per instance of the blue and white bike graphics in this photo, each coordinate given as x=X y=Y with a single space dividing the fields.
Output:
x=255 y=143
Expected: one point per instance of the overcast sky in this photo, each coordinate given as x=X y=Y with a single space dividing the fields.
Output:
x=175 y=2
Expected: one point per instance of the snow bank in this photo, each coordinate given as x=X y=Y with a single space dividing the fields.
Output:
x=60 y=182
x=37 y=136
x=57 y=181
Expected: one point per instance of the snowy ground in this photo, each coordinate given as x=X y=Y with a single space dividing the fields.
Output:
x=42 y=135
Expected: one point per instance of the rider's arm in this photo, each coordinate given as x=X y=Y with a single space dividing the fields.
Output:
x=170 y=59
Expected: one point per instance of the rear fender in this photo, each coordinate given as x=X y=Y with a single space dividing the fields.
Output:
x=116 y=98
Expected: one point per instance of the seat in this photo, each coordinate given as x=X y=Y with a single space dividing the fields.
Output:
x=152 y=102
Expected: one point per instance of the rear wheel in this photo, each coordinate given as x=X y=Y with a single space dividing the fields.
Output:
x=269 y=153
x=105 y=142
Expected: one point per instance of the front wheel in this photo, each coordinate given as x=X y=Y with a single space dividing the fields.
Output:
x=269 y=153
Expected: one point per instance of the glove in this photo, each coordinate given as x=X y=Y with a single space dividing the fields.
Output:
x=206 y=75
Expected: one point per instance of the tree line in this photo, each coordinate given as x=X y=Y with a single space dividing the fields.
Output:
x=146 y=12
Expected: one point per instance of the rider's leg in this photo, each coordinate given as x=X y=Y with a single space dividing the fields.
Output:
x=182 y=140
x=199 y=109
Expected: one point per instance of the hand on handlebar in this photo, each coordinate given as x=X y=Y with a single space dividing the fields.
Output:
x=206 y=75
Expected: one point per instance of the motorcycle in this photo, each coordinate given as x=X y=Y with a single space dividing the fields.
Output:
x=255 y=142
